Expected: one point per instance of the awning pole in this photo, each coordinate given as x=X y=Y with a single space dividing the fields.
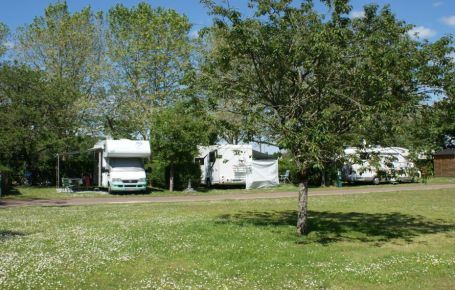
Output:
x=100 y=164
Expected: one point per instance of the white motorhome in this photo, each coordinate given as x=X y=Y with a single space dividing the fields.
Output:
x=120 y=165
x=377 y=164
x=236 y=164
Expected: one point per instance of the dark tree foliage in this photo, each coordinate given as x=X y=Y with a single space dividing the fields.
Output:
x=38 y=121
x=176 y=133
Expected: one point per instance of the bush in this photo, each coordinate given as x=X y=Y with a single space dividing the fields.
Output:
x=5 y=179
x=314 y=176
x=158 y=173
x=286 y=163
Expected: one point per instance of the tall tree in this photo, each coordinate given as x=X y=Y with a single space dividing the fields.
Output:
x=3 y=33
x=432 y=126
x=314 y=82
x=150 y=52
x=38 y=119
x=68 y=47
x=176 y=133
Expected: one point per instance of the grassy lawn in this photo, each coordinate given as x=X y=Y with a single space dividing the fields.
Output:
x=51 y=193
x=25 y=192
x=370 y=241
x=441 y=180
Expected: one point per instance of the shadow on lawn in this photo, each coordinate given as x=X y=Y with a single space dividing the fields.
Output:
x=7 y=234
x=329 y=227
x=11 y=191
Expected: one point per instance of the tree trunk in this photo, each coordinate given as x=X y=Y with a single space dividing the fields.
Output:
x=303 y=205
x=171 y=178
x=323 y=181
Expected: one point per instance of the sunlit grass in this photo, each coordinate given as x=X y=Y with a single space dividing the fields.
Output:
x=401 y=240
x=51 y=192
x=441 y=180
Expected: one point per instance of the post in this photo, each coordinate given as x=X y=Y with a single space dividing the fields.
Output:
x=338 y=181
x=58 y=171
x=171 y=178
x=189 y=188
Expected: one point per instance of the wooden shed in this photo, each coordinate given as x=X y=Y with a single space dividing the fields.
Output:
x=444 y=163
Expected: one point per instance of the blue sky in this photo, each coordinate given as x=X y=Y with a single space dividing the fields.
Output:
x=433 y=18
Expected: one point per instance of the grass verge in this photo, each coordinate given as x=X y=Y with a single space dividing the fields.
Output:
x=369 y=241
x=51 y=193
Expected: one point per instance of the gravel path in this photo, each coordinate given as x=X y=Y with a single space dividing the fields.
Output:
x=192 y=198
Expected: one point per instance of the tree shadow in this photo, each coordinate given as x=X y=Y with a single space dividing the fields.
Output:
x=329 y=227
x=7 y=234
x=11 y=191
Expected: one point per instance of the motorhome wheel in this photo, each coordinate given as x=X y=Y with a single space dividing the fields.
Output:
x=376 y=180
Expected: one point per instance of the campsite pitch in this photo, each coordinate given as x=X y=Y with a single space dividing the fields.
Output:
x=364 y=241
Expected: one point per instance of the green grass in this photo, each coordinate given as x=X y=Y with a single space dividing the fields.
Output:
x=27 y=192
x=51 y=193
x=401 y=240
x=441 y=180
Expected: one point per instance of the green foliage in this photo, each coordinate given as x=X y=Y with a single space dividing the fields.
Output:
x=38 y=120
x=187 y=171
x=150 y=53
x=3 y=33
x=313 y=83
x=314 y=174
x=68 y=47
x=65 y=45
x=445 y=120
x=286 y=163
x=156 y=173
x=176 y=132
x=159 y=173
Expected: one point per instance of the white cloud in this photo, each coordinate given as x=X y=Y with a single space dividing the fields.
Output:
x=357 y=14
x=449 y=20
x=438 y=3
x=421 y=32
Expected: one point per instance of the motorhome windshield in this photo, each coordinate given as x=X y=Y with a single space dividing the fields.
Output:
x=364 y=156
x=126 y=164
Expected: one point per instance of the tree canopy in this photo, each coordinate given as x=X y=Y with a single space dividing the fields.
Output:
x=38 y=120
x=313 y=82
x=149 y=50
x=68 y=47
x=3 y=33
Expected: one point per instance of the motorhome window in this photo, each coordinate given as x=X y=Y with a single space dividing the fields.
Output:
x=219 y=156
x=126 y=164
x=212 y=156
x=364 y=156
x=199 y=161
